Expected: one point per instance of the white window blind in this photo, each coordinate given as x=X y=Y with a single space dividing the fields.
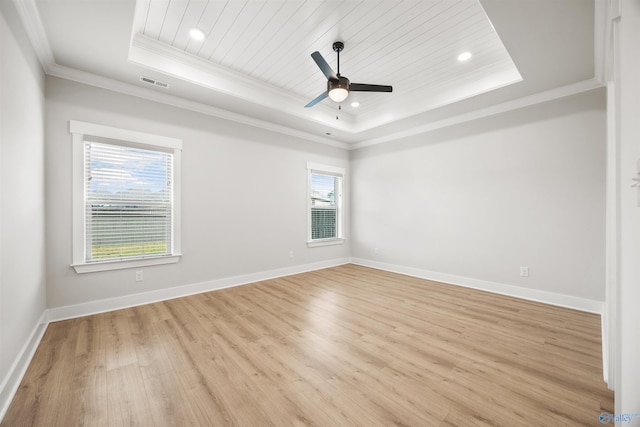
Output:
x=126 y=198
x=325 y=204
x=128 y=201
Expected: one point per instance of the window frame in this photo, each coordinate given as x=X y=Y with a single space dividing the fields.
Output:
x=123 y=137
x=320 y=169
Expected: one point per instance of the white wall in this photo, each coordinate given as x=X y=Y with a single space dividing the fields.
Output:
x=243 y=192
x=479 y=200
x=627 y=383
x=22 y=273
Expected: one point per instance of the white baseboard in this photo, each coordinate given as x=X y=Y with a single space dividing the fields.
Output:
x=11 y=382
x=110 y=304
x=14 y=377
x=568 y=301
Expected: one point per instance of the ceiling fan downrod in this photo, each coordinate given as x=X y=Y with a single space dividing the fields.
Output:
x=337 y=48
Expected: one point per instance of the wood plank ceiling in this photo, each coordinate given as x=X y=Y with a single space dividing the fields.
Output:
x=412 y=45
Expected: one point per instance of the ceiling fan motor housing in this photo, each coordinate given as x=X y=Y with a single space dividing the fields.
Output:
x=340 y=83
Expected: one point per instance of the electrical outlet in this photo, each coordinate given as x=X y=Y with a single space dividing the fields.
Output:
x=524 y=271
x=291 y=254
x=376 y=250
x=139 y=276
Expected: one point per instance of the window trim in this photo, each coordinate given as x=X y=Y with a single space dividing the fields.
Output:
x=326 y=170
x=78 y=131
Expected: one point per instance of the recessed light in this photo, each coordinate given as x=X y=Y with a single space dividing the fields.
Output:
x=355 y=104
x=196 y=34
x=464 y=56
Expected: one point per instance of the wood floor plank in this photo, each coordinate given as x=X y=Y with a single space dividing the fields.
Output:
x=90 y=373
x=347 y=345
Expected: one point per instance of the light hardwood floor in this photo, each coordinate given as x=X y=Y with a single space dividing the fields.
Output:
x=337 y=347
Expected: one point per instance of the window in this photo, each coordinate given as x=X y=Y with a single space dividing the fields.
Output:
x=325 y=205
x=126 y=198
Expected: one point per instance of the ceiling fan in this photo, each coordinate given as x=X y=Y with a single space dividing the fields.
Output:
x=338 y=87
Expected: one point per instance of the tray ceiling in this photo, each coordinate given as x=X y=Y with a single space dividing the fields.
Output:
x=260 y=51
x=254 y=64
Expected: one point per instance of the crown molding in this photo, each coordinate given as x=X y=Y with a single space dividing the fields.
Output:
x=526 y=101
x=28 y=11
x=176 y=101
x=165 y=59
x=446 y=93
x=30 y=16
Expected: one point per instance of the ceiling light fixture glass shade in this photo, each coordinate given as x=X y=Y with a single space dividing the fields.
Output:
x=338 y=90
x=338 y=94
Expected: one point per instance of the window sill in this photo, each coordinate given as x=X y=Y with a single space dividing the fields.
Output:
x=119 y=264
x=324 y=242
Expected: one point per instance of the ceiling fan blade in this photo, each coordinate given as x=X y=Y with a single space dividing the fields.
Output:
x=318 y=99
x=361 y=87
x=324 y=67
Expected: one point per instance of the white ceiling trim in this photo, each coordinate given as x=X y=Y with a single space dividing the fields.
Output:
x=175 y=101
x=30 y=16
x=468 y=87
x=538 y=98
x=284 y=85
x=161 y=57
x=28 y=11
x=606 y=13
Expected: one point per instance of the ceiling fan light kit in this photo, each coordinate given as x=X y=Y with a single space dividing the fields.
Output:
x=338 y=90
x=338 y=87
